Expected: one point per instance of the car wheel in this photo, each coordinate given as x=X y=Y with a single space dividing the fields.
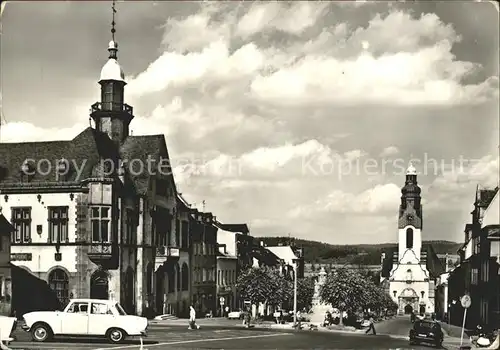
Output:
x=41 y=332
x=116 y=335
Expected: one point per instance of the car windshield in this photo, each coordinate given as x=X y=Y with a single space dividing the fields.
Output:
x=427 y=325
x=120 y=310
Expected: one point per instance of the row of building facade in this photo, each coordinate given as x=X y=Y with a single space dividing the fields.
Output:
x=89 y=218
x=478 y=270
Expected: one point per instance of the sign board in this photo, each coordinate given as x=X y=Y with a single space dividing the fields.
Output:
x=173 y=252
x=21 y=256
x=466 y=301
x=247 y=302
x=222 y=300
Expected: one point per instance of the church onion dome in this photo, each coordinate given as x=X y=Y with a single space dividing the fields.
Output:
x=411 y=170
x=112 y=69
x=411 y=189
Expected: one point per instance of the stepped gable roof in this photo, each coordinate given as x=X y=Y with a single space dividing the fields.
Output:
x=84 y=151
x=141 y=148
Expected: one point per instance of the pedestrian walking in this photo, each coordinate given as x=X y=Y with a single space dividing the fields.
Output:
x=371 y=327
x=192 y=318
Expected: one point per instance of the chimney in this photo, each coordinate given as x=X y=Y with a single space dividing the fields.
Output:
x=262 y=243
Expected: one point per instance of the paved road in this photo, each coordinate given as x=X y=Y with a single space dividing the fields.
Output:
x=162 y=338
x=399 y=326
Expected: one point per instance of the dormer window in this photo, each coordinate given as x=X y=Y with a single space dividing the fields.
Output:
x=27 y=170
x=62 y=166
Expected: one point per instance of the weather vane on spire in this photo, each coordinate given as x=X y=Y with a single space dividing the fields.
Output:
x=113 y=30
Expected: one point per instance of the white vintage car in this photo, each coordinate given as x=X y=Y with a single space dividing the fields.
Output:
x=85 y=317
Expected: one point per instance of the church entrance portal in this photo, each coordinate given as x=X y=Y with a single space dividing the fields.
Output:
x=408 y=309
x=422 y=309
x=99 y=286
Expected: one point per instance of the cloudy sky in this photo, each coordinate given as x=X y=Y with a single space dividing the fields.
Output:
x=295 y=118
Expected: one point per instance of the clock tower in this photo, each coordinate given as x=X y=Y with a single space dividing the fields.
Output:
x=410 y=218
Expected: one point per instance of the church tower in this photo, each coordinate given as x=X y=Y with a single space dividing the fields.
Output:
x=111 y=115
x=410 y=218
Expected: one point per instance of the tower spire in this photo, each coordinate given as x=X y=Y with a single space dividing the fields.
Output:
x=113 y=46
x=113 y=30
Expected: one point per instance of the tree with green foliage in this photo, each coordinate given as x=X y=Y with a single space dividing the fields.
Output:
x=345 y=290
x=305 y=292
x=264 y=285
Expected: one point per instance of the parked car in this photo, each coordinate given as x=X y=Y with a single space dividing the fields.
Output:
x=236 y=315
x=426 y=331
x=87 y=318
x=7 y=326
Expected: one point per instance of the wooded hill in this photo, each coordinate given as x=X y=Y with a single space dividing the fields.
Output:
x=359 y=254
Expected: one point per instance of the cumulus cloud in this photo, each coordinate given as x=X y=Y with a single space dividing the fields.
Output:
x=416 y=68
x=267 y=105
x=379 y=200
x=24 y=131
x=389 y=151
x=448 y=191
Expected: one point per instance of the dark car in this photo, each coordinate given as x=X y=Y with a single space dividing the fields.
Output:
x=426 y=331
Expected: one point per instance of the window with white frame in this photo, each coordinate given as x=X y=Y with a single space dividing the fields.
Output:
x=474 y=276
x=21 y=220
x=476 y=245
x=129 y=231
x=485 y=271
x=58 y=224
x=101 y=223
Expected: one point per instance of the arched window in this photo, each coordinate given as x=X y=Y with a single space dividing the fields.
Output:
x=409 y=275
x=409 y=238
x=185 y=277
x=179 y=281
x=59 y=283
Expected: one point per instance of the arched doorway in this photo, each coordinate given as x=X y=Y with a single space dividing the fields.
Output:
x=99 y=285
x=422 y=309
x=408 y=309
x=129 y=291
x=59 y=283
x=160 y=290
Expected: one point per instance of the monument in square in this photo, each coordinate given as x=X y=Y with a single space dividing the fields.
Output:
x=319 y=309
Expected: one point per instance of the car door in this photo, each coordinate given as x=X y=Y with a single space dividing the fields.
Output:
x=101 y=318
x=75 y=320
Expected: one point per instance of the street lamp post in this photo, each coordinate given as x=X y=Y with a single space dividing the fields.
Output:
x=295 y=292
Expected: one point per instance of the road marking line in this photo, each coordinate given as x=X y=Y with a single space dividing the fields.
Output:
x=196 y=341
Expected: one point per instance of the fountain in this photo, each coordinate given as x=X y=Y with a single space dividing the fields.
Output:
x=317 y=314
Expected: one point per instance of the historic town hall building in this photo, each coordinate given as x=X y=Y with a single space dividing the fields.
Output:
x=410 y=273
x=91 y=217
